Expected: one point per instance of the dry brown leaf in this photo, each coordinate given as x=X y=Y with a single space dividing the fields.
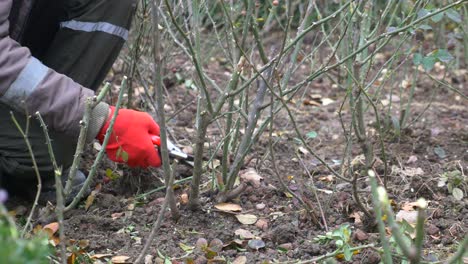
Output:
x=53 y=227
x=303 y=150
x=250 y=175
x=99 y=256
x=244 y=234
x=92 y=196
x=228 y=207
x=247 y=219
x=327 y=101
x=115 y=216
x=328 y=178
x=357 y=217
x=184 y=198
x=409 y=206
x=120 y=259
x=409 y=217
x=83 y=243
x=240 y=260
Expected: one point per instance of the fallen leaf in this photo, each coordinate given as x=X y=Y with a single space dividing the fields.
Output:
x=84 y=243
x=409 y=217
x=228 y=207
x=240 y=260
x=53 y=227
x=256 y=244
x=250 y=175
x=357 y=217
x=92 y=196
x=186 y=248
x=99 y=256
x=440 y=152
x=412 y=159
x=120 y=259
x=184 y=198
x=244 y=234
x=409 y=206
x=115 y=216
x=328 y=178
x=247 y=219
x=327 y=101
x=303 y=150
x=457 y=193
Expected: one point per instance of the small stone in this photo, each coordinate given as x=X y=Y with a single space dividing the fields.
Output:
x=149 y=259
x=253 y=198
x=287 y=246
x=260 y=206
x=360 y=235
x=262 y=223
x=432 y=229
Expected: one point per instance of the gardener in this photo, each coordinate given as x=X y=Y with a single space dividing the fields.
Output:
x=53 y=55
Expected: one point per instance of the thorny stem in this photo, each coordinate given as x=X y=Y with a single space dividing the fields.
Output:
x=194 y=58
x=24 y=133
x=89 y=105
x=160 y=109
x=101 y=152
x=59 y=190
x=254 y=114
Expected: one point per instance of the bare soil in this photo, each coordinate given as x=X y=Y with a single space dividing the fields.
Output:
x=119 y=220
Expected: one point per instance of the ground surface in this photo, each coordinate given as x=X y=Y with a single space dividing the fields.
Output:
x=119 y=220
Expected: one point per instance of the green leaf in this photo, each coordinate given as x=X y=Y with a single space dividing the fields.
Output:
x=186 y=248
x=438 y=17
x=348 y=254
x=457 y=193
x=428 y=63
x=440 y=152
x=422 y=13
x=109 y=172
x=417 y=58
x=311 y=135
x=124 y=156
x=425 y=27
x=453 y=15
x=443 y=55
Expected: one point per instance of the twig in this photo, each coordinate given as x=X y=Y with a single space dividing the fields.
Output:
x=160 y=108
x=101 y=152
x=314 y=190
x=158 y=222
x=60 y=204
x=89 y=105
x=24 y=133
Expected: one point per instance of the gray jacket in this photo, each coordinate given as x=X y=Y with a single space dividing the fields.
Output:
x=28 y=86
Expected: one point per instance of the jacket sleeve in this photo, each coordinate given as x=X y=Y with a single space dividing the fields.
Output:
x=27 y=85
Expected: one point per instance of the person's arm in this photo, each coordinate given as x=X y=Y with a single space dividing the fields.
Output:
x=27 y=85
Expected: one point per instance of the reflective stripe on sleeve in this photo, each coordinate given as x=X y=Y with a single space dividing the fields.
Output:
x=96 y=26
x=28 y=79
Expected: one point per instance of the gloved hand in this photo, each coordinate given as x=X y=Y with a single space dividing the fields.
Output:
x=132 y=134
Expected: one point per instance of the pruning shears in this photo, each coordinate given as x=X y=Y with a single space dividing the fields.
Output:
x=174 y=151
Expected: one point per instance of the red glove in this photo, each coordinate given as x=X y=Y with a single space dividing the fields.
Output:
x=132 y=134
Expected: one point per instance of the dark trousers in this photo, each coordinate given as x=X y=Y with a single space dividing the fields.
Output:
x=78 y=38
